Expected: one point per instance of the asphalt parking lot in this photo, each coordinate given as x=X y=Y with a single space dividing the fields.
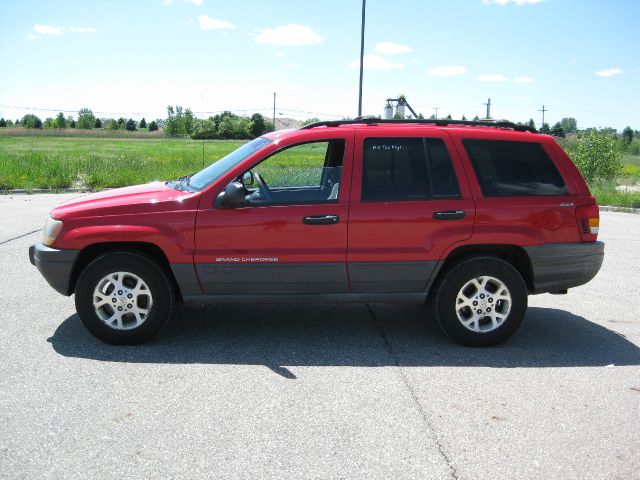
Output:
x=323 y=391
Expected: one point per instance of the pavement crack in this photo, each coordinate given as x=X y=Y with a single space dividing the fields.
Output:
x=412 y=393
x=19 y=236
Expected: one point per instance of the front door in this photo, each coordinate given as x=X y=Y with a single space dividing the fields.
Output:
x=291 y=234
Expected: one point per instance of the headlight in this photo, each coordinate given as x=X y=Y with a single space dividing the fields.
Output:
x=51 y=230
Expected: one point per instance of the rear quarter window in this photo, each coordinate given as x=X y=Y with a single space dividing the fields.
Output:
x=509 y=169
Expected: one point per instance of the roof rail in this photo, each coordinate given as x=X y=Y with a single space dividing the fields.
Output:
x=439 y=122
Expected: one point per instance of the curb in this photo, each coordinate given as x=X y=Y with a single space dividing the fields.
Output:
x=608 y=208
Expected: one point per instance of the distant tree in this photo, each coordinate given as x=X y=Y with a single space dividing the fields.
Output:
x=476 y=118
x=464 y=119
x=627 y=134
x=532 y=124
x=31 y=121
x=112 y=124
x=433 y=117
x=545 y=129
x=49 y=123
x=72 y=123
x=594 y=153
x=17 y=122
x=308 y=121
x=98 y=123
x=3 y=123
x=153 y=126
x=86 y=119
x=257 y=126
x=569 y=125
x=60 y=121
x=130 y=126
x=121 y=123
x=420 y=116
x=143 y=123
x=558 y=131
x=188 y=122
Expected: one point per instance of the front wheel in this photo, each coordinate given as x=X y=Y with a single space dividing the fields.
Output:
x=481 y=301
x=123 y=298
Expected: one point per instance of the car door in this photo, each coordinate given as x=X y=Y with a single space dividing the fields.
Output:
x=291 y=234
x=410 y=202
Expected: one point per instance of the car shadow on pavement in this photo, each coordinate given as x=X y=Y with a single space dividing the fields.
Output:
x=278 y=336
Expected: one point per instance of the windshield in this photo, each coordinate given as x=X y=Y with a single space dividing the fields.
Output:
x=214 y=171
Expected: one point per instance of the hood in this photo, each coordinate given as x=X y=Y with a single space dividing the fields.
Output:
x=137 y=199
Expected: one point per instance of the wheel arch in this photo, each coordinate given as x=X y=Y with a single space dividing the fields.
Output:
x=512 y=254
x=150 y=250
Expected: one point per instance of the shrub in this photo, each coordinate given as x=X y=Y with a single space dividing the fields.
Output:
x=595 y=154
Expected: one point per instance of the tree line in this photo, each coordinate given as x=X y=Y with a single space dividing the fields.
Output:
x=180 y=122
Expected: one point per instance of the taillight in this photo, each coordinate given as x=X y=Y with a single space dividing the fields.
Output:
x=588 y=217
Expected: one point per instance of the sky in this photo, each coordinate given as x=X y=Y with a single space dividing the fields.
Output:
x=132 y=58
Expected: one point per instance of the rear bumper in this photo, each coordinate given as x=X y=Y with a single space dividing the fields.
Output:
x=559 y=266
x=55 y=266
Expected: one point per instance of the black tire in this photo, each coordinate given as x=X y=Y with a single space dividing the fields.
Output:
x=482 y=330
x=155 y=279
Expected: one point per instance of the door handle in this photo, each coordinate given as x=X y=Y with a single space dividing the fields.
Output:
x=321 y=220
x=449 y=215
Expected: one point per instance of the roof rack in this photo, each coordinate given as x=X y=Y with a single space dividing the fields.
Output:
x=439 y=122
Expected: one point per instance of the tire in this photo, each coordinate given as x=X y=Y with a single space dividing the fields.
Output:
x=124 y=298
x=481 y=301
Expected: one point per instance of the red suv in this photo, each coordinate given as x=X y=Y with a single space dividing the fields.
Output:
x=471 y=215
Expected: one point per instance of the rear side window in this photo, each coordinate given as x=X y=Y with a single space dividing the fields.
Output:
x=509 y=169
x=400 y=169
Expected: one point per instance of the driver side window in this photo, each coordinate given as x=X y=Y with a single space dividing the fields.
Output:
x=303 y=173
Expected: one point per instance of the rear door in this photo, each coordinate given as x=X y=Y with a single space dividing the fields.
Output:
x=410 y=203
x=291 y=236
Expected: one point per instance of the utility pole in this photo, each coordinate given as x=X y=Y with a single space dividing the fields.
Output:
x=543 y=110
x=488 y=104
x=364 y=4
x=436 y=109
x=274 y=111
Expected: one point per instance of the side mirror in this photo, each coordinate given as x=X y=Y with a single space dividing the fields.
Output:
x=247 y=179
x=232 y=197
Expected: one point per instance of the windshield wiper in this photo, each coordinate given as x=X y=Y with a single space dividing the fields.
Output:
x=182 y=183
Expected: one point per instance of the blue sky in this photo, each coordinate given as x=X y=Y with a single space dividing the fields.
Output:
x=132 y=58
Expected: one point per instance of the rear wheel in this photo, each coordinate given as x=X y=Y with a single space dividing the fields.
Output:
x=123 y=298
x=481 y=301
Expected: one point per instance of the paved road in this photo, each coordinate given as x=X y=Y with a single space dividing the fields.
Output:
x=329 y=391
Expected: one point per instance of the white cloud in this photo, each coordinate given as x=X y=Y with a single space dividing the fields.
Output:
x=447 y=71
x=292 y=34
x=208 y=23
x=376 y=62
x=31 y=36
x=391 y=48
x=47 y=29
x=493 y=78
x=279 y=53
x=523 y=80
x=505 y=2
x=609 y=72
x=52 y=30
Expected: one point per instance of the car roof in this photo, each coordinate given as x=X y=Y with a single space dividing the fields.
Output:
x=478 y=129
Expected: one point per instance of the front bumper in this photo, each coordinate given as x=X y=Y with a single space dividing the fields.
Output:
x=56 y=266
x=559 y=266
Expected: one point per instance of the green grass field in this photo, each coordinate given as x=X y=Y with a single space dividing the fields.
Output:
x=55 y=162
x=82 y=162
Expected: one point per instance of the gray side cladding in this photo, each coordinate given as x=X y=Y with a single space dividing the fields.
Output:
x=258 y=278
x=390 y=276
x=558 y=266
